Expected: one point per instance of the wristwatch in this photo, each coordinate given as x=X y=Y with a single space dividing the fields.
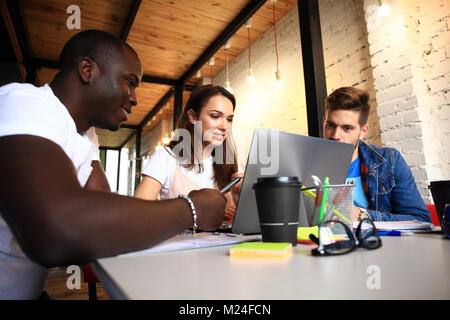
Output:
x=363 y=214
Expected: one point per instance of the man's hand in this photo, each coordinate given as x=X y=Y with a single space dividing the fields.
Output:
x=210 y=207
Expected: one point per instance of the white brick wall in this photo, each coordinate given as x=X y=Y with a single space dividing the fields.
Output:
x=411 y=71
x=432 y=75
x=346 y=53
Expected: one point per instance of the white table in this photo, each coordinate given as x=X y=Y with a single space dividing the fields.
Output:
x=411 y=267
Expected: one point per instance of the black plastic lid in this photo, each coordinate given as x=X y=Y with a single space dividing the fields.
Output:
x=283 y=181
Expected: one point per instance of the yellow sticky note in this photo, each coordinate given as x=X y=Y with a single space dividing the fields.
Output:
x=262 y=249
x=304 y=232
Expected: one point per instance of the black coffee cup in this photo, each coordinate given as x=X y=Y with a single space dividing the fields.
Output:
x=278 y=201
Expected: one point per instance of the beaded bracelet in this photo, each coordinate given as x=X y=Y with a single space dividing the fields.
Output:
x=194 y=213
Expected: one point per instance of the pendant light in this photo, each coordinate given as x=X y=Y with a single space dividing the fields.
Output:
x=166 y=138
x=278 y=82
x=227 y=82
x=250 y=76
x=384 y=9
x=211 y=63
x=159 y=146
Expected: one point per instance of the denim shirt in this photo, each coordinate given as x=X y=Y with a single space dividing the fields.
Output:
x=390 y=186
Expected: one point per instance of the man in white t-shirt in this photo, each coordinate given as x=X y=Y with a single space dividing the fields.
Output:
x=55 y=204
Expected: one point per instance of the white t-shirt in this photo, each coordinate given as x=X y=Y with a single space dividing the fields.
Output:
x=30 y=110
x=161 y=167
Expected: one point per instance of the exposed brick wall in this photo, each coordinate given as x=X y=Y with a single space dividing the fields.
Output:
x=346 y=53
x=428 y=24
x=411 y=72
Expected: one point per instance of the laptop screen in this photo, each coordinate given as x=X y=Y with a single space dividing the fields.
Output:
x=276 y=153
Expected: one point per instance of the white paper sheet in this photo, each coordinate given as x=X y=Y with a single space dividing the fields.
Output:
x=401 y=225
x=201 y=240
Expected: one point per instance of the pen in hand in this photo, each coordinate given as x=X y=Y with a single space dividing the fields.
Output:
x=230 y=185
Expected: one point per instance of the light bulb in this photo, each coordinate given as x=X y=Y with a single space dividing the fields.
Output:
x=166 y=140
x=228 y=87
x=228 y=44
x=159 y=146
x=250 y=77
x=278 y=83
x=384 y=10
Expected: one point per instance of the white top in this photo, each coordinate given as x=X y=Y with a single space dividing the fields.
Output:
x=161 y=167
x=26 y=109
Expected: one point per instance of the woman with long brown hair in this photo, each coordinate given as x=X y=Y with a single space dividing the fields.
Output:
x=204 y=158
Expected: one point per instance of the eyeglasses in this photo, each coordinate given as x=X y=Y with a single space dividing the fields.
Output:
x=335 y=238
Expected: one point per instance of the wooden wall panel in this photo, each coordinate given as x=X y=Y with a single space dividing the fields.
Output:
x=170 y=35
x=46 y=22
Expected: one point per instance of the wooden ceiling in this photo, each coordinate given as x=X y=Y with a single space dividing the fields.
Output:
x=170 y=36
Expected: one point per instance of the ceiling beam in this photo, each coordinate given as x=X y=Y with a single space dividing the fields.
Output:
x=46 y=63
x=231 y=29
x=15 y=8
x=313 y=65
x=13 y=38
x=145 y=78
x=188 y=87
x=128 y=126
x=130 y=19
x=151 y=79
x=109 y=148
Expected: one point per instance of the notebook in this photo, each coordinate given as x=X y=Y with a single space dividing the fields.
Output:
x=413 y=225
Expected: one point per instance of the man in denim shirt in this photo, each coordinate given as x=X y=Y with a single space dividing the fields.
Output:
x=385 y=188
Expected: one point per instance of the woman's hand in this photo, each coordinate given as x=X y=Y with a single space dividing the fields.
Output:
x=236 y=189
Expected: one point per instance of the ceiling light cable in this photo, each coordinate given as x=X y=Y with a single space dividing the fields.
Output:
x=278 y=81
x=250 y=77
x=211 y=63
x=227 y=82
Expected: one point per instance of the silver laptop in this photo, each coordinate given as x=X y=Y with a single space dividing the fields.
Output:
x=277 y=153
